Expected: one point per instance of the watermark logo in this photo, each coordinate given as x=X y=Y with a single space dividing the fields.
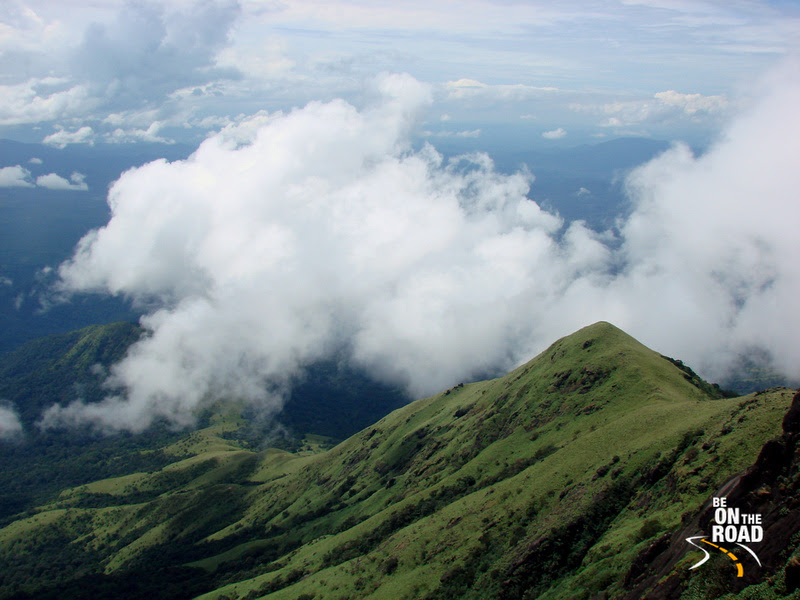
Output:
x=730 y=528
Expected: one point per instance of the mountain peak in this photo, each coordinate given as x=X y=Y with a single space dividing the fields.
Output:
x=601 y=358
x=602 y=334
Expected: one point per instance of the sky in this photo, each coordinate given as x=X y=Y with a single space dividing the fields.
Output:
x=311 y=222
x=558 y=73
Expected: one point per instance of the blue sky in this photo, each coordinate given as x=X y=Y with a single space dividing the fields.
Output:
x=556 y=73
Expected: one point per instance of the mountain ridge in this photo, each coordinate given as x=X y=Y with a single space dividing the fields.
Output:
x=537 y=484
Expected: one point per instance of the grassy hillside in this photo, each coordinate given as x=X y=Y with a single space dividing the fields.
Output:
x=332 y=401
x=61 y=368
x=58 y=368
x=769 y=488
x=545 y=483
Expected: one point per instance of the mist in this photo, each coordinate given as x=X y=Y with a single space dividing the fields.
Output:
x=297 y=235
x=10 y=425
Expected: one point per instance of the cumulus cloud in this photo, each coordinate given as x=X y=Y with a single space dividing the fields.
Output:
x=56 y=182
x=150 y=134
x=555 y=134
x=711 y=240
x=16 y=176
x=323 y=231
x=35 y=161
x=663 y=106
x=10 y=425
x=62 y=138
x=34 y=101
x=692 y=103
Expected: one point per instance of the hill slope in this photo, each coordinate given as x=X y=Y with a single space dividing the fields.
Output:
x=769 y=488
x=332 y=400
x=546 y=483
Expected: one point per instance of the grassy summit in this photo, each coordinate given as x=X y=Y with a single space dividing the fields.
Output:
x=545 y=483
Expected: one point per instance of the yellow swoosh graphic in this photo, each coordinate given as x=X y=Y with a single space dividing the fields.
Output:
x=739 y=568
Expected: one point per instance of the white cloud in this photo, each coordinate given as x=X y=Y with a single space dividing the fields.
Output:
x=324 y=232
x=465 y=84
x=467 y=133
x=35 y=161
x=662 y=107
x=16 y=176
x=10 y=425
x=73 y=64
x=30 y=102
x=612 y=122
x=327 y=232
x=244 y=129
x=471 y=88
x=691 y=104
x=555 y=134
x=123 y=136
x=151 y=50
x=711 y=245
x=265 y=59
x=93 y=60
x=62 y=138
x=56 y=182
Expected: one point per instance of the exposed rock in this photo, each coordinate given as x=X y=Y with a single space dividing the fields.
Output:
x=771 y=488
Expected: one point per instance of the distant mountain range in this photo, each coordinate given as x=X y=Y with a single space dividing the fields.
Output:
x=577 y=475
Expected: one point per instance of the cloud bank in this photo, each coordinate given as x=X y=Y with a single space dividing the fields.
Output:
x=320 y=230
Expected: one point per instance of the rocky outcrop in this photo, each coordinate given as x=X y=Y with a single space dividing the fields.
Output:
x=771 y=488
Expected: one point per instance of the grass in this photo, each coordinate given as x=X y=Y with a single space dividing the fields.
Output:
x=462 y=495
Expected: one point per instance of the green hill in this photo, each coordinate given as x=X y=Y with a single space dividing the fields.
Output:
x=61 y=368
x=333 y=400
x=549 y=482
x=58 y=367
